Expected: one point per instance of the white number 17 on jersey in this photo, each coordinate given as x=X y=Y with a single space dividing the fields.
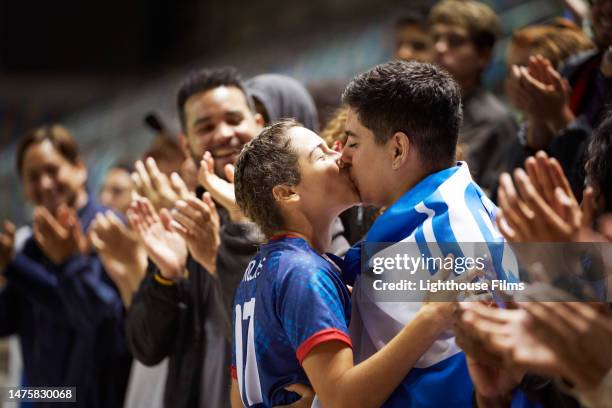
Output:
x=249 y=372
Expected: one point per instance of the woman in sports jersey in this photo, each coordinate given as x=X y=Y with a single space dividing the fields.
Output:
x=291 y=309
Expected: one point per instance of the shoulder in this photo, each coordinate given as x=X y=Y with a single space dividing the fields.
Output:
x=574 y=63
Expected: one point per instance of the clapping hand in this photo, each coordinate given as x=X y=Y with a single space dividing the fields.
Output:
x=59 y=237
x=151 y=183
x=166 y=248
x=222 y=191
x=123 y=257
x=197 y=222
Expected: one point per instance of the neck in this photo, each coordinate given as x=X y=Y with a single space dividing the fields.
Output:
x=316 y=232
x=405 y=185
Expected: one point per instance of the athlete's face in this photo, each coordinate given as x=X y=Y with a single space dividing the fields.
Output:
x=219 y=121
x=368 y=162
x=323 y=186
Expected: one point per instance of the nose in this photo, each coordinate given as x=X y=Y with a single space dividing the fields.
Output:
x=45 y=182
x=346 y=156
x=226 y=131
x=440 y=46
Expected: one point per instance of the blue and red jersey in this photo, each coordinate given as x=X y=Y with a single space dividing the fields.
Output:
x=289 y=300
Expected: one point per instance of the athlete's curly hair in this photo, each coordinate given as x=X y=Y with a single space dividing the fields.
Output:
x=266 y=161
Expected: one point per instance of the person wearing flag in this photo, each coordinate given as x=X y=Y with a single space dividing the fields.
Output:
x=402 y=127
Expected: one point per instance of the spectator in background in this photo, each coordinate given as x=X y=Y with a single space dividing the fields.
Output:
x=186 y=316
x=566 y=105
x=555 y=42
x=116 y=191
x=412 y=38
x=464 y=35
x=58 y=299
x=278 y=96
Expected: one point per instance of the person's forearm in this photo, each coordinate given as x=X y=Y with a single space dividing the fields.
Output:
x=152 y=320
x=538 y=134
x=562 y=121
x=370 y=383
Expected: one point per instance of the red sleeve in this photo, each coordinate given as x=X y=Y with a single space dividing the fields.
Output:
x=321 y=337
x=233 y=372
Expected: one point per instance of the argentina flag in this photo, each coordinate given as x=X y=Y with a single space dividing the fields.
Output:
x=445 y=213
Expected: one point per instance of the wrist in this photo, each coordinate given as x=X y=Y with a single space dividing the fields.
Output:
x=237 y=216
x=170 y=280
x=438 y=314
x=171 y=274
x=500 y=401
x=562 y=121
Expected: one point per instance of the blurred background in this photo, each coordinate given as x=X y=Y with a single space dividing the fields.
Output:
x=99 y=67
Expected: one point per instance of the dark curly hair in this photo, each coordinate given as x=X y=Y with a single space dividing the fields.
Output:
x=266 y=161
x=204 y=80
x=419 y=99
x=599 y=164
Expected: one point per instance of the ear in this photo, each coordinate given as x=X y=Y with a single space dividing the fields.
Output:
x=284 y=194
x=400 y=148
x=259 y=120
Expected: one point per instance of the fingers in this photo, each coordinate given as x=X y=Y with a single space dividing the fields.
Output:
x=207 y=169
x=188 y=223
x=544 y=177
x=148 y=211
x=207 y=199
x=139 y=189
x=229 y=172
x=504 y=228
x=555 y=78
x=300 y=389
x=154 y=174
x=513 y=208
x=39 y=236
x=179 y=186
x=142 y=179
x=95 y=240
x=48 y=222
x=588 y=207
x=43 y=221
x=135 y=221
x=166 y=219
x=530 y=83
x=559 y=178
x=7 y=239
x=536 y=203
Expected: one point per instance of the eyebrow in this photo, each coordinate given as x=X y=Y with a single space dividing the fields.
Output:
x=201 y=120
x=349 y=133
